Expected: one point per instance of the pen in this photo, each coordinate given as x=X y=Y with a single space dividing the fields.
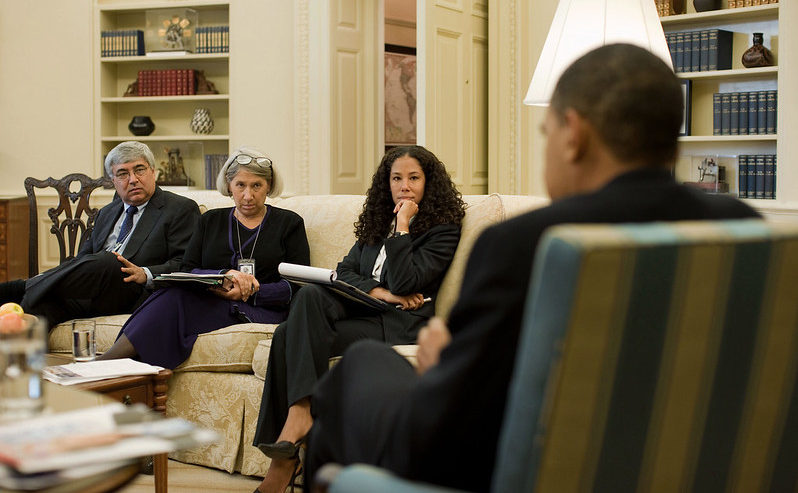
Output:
x=426 y=300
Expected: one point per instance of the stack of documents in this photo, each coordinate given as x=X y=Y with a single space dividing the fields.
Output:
x=74 y=373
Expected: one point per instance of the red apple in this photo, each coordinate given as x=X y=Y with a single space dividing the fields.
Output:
x=11 y=322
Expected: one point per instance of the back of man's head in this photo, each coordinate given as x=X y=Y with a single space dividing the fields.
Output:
x=631 y=98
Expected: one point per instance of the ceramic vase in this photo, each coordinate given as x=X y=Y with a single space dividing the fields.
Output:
x=201 y=122
x=141 y=125
x=705 y=5
x=757 y=55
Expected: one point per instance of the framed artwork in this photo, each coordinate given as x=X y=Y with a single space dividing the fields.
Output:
x=687 y=86
x=400 y=95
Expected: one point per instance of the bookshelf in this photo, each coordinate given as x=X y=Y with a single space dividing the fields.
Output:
x=171 y=114
x=743 y=22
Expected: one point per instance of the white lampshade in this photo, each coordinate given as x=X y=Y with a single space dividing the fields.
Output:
x=580 y=26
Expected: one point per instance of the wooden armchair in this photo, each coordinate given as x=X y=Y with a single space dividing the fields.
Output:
x=70 y=227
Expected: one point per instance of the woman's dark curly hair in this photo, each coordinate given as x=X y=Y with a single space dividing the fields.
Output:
x=441 y=204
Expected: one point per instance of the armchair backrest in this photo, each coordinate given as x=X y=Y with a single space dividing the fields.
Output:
x=657 y=357
x=68 y=223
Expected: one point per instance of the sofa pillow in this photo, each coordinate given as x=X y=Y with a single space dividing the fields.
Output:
x=229 y=349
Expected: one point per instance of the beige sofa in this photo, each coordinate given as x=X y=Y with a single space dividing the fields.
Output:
x=220 y=385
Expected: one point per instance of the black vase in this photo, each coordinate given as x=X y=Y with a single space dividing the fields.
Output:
x=141 y=125
x=757 y=55
x=705 y=5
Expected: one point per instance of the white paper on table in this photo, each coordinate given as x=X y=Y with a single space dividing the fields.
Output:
x=74 y=373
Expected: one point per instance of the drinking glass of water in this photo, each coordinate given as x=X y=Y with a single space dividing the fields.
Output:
x=21 y=362
x=84 y=347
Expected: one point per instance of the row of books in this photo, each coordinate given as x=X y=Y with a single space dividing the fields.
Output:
x=213 y=39
x=666 y=7
x=744 y=113
x=700 y=51
x=167 y=82
x=213 y=163
x=756 y=176
x=125 y=42
x=749 y=3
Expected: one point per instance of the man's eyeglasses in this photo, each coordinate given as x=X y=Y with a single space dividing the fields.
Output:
x=124 y=175
x=260 y=161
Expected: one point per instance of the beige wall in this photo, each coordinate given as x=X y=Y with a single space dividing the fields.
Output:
x=45 y=90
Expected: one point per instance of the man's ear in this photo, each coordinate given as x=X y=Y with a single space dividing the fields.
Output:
x=578 y=135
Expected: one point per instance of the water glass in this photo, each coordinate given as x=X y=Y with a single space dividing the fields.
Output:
x=84 y=347
x=21 y=362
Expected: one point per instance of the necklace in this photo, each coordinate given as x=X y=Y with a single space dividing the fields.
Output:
x=238 y=233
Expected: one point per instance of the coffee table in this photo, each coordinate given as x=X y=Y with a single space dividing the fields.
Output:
x=145 y=389
x=59 y=398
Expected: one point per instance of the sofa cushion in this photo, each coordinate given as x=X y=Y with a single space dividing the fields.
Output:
x=105 y=328
x=229 y=349
x=261 y=358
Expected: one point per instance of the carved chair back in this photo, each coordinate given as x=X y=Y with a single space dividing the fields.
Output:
x=72 y=220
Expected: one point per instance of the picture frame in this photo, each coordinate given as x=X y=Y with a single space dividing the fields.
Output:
x=400 y=95
x=687 y=89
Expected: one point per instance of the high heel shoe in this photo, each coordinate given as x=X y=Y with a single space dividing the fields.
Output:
x=282 y=449
x=294 y=475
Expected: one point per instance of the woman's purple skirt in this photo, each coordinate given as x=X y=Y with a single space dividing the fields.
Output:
x=164 y=328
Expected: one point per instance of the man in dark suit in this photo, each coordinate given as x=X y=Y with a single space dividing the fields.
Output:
x=142 y=233
x=611 y=132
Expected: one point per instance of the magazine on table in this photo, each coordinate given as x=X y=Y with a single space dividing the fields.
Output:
x=94 y=435
x=91 y=371
x=303 y=274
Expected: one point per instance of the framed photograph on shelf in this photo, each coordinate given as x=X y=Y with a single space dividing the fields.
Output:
x=687 y=86
x=400 y=95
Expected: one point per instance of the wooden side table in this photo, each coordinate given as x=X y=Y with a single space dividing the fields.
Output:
x=145 y=389
x=14 y=234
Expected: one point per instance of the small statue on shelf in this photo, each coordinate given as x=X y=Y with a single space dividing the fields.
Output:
x=204 y=86
x=172 y=172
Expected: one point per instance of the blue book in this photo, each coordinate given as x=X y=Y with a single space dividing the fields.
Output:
x=753 y=113
x=734 y=117
x=742 y=176
x=761 y=112
x=720 y=49
x=751 y=181
x=759 y=183
x=770 y=117
x=725 y=113
x=680 y=45
x=695 y=51
x=716 y=120
x=704 y=57
x=743 y=114
x=770 y=174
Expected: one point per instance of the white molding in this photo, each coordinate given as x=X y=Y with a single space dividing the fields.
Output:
x=302 y=95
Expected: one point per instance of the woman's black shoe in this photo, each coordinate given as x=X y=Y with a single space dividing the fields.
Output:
x=282 y=449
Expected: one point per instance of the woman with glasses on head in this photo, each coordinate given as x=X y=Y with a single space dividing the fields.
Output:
x=247 y=242
x=406 y=238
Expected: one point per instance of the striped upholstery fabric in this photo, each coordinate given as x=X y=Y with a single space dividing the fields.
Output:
x=657 y=357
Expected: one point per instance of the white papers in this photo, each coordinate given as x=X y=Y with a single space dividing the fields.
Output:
x=94 y=435
x=307 y=273
x=74 y=373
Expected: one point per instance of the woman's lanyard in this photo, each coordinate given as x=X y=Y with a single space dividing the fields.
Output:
x=247 y=265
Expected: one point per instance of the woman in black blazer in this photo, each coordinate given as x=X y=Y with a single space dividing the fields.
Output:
x=406 y=238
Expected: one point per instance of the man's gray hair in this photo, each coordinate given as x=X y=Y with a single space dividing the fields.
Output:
x=127 y=152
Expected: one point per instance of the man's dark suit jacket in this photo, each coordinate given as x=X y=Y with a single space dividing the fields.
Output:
x=443 y=427
x=157 y=242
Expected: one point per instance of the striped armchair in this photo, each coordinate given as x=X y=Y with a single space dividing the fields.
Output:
x=653 y=357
